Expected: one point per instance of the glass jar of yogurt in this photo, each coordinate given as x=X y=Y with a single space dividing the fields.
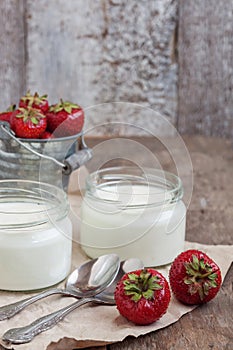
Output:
x=133 y=212
x=35 y=235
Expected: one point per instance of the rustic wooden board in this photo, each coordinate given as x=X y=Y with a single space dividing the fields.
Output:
x=99 y=52
x=205 y=48
x=12 y=51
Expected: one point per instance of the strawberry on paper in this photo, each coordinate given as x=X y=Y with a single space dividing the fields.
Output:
x=194 y=277
x=35 y=101
x=65 y=119
x=28 y=123
x=142 y=296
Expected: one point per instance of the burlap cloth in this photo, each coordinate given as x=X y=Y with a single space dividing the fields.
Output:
x=96 y=325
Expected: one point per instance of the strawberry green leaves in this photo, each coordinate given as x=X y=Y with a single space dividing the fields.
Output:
x=32 y=114
x=200 y=277
x=140 y=286
x=64 y=106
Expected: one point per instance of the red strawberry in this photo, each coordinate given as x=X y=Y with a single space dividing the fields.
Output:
x=46 y=135
x=28 y=123
x=194 y=277
x=35 y=101
x=142 y=296
x=6 y=116
x=66 y=118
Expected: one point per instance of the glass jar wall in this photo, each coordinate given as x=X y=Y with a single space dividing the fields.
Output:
x=35 y=235
x=135 y=213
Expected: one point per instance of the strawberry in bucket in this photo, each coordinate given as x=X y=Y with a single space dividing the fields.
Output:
x=65 y=119
x=28 y=123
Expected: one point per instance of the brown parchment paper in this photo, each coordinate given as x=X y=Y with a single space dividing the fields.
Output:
x=94 y=325
x=97 y=325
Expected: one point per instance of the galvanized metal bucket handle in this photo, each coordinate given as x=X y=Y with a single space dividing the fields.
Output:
x=71 y=163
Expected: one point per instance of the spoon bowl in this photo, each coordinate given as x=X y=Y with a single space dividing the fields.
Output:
x=93 y=276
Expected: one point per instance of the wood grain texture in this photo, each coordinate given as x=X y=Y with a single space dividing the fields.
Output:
x=12 y=51
x=111 y=50
x=106 y=51
x=205 y=48
x=209 y=221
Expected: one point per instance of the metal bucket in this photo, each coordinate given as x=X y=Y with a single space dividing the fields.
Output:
x=46 y=160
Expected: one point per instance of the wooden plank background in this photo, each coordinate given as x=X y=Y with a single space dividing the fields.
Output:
x=12 y=51
x=206 y=67
x=169 y=56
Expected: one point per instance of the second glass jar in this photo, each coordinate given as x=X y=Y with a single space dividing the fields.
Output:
x=133 y=212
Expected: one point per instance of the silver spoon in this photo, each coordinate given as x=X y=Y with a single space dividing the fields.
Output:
x=26 y=334
x=90 y=278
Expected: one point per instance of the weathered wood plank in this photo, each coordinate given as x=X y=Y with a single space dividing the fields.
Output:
x=206 y=67
x=12 y=51
x=96 y=52
x=99 y=52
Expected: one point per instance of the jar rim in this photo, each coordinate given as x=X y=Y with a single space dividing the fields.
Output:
x=167 y=182
x=30 y=204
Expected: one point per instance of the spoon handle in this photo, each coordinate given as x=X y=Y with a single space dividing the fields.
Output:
x=10 y=310
x=25 y=334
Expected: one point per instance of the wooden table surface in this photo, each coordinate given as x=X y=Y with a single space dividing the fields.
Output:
x=209 y=221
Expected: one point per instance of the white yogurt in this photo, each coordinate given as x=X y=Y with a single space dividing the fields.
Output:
x=36 y=256
x=133 y=220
